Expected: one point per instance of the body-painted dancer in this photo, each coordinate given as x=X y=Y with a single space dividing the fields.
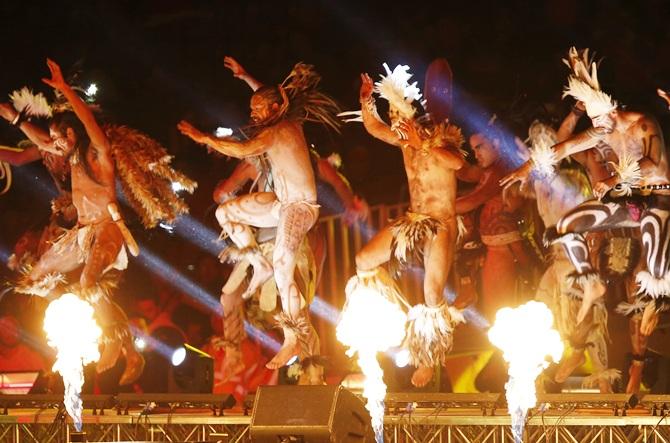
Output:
x=277 y=114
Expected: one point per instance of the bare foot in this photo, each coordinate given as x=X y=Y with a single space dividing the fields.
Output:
x=592 y=292
x=634 y=377
x=288 y=350
x=134 y=365
x=110 y=354
x=262 y=273
x=569 y=364
x=649 y=320
x=422 y=375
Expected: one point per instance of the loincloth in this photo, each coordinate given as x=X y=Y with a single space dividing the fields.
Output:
x=410 y=233
x=81 y=239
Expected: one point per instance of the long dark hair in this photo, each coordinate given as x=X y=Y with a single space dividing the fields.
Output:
x=63 y=121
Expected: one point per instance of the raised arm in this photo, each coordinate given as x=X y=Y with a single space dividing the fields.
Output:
x=35 y=134
x=83 y=112
x=567 y=127
x=241 y=73
x=238 y=149
x=373 y=124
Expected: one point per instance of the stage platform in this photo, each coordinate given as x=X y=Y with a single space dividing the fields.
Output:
x=411 y=417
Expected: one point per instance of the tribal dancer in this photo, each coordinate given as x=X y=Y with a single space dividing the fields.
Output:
x=556 y=193
x=637 y=141
x=506 y=258
x=277 y=114
x=431 y=155
x=95 y=246
x=24 y=106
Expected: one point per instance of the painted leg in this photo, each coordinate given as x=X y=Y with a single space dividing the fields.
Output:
x=654 y=282
x=294 y=222
x=235 y=217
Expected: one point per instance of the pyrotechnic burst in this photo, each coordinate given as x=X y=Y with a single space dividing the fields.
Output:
x=73 y=332
x=526 y=337
x=371 y=322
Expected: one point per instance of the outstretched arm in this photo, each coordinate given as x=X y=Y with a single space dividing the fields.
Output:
x=487 y=188
x=83 y=112
x=20 y=157
x=373 y=124
x=34 y=133
x=356 y=208
x=578 y=143
x=238 y=149
x=241 y=73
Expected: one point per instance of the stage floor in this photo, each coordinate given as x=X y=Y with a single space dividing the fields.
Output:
x=410 y=417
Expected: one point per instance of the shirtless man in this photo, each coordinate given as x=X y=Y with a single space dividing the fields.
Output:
x=556 y=193
x=637 y=141
x=291 y=207
x=96 y=244
x=431 y=157
x=63 y=213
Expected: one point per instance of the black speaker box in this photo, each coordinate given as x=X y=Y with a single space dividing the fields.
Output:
x=309 y=414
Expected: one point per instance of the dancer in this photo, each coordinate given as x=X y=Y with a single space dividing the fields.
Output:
x=431 y=155
x=556 y=193
x=95 y=246
x=506 y=261
x=277 y=114
x=38 y=148
x=642 y=168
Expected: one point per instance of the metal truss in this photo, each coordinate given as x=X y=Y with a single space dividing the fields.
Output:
x=410 y=418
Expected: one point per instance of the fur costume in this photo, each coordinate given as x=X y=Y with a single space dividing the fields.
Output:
x=430 y=333
x=147 y=178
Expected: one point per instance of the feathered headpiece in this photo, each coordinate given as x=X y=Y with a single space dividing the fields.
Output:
x=583 y=84
x=395 y=88
x=28 y=103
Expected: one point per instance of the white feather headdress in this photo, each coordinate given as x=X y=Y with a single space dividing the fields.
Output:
x=583 y=84
x=596 y=101
x=28 y=103
x=396 y=89
x=628 y=170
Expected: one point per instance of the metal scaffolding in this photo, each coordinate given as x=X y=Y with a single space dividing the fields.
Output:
x=411 y=417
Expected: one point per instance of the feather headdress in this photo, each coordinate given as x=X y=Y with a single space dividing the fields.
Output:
x=396 y=89
x=28 y=103
x=583 y=84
